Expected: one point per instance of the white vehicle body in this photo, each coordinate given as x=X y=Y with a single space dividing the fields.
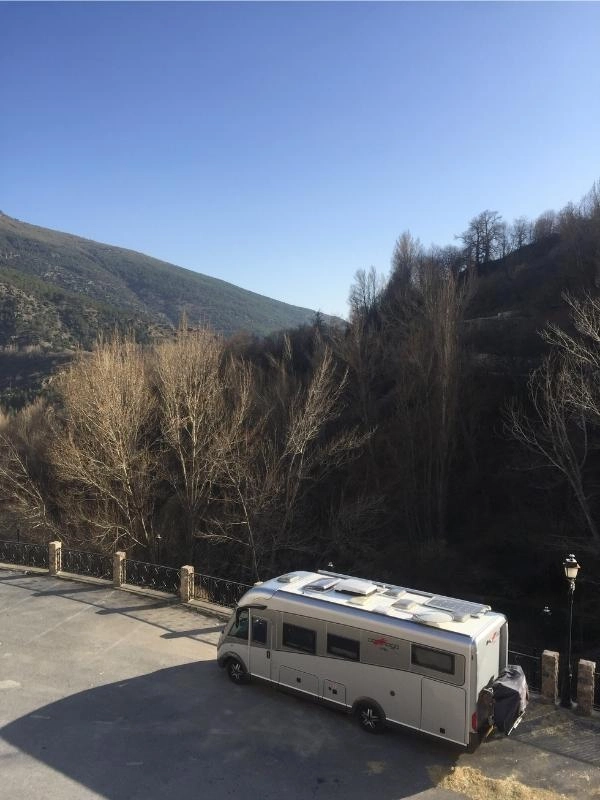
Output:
x=388 y=653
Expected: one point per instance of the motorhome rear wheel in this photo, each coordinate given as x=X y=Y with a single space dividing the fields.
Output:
x=370 y=717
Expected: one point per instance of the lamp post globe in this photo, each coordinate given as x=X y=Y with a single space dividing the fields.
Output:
x=571 y=568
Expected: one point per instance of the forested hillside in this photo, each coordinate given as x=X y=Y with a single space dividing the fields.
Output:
x=446 y=438
x=86 y=282
x=59 y=292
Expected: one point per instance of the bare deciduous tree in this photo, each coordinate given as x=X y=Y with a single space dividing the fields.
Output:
x=582 y=350
x=557 y=430
x=193 y=382
x=405 y=260
x=590 y=205
x=427 y=361
x=103 y=454
x=25 y=489
x=520 y=233
x=365 y=292
x=544 y=226
x=565 y=396
x=272 y=469
x=361 y=349
x=483 y=236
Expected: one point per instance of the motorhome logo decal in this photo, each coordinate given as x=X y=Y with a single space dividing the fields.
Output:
x=383 y=644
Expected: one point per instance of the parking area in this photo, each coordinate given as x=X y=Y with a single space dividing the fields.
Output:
x=109 y=694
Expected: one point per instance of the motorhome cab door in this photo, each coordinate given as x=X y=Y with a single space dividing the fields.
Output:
x=259 y=657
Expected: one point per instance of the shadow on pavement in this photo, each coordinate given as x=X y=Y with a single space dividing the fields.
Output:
x=69 y=590
x=81 y=594
x=190 y=633
x=187 y=730
x=16 y=576
x=139 y=607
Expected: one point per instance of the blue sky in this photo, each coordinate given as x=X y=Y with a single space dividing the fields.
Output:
x=283 y=146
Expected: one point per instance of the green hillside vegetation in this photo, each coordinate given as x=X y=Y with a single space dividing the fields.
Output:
x=34 y=313
x=447 y=438
x=60 y=292
x=105 y=277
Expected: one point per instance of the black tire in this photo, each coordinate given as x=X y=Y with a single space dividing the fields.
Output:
x=236 y=671
x=370 y=716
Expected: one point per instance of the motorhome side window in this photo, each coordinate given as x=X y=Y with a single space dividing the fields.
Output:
x=239 y=629
x=429 y=658
x=341 y=647
x=297 y=638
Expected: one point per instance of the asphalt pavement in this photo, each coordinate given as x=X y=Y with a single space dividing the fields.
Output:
x=108 y=694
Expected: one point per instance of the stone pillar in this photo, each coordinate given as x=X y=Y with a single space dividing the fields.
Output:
x=186 y=584
x=585 y=687
x=54 y=557
x=549 y=676
x=118 y=569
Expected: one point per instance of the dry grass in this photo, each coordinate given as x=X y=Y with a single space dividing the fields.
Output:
x=477 y=786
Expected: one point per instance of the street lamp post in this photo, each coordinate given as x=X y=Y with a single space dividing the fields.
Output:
x=571 y=568
x=158 y=543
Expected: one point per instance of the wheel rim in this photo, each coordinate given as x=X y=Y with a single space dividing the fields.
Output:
x=369 y=718
x=236 y=671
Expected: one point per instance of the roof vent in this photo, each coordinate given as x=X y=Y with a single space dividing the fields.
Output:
x=322 y=585
x=406 y=604
x=291 y=577
x=434 y=618
x=394 y=591
x=356 y=586
x=359 y=599
x=457 y=617
x=390 y=611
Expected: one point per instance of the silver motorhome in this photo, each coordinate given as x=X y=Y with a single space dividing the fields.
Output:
x=386 y=653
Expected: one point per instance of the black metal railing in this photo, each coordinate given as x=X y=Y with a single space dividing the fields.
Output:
x=218 y=590
x=531 y=664
x=152 y=576
x=221 y=591
x=80 y=562
x=25 y=554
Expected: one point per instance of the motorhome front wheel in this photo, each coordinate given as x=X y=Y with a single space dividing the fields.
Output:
x=236 y=671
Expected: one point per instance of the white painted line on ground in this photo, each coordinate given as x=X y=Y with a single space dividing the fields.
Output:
x=58 y=625
x=14 y=605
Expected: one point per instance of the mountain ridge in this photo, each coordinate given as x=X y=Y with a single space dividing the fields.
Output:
x=59 y=292
x=133 y=282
